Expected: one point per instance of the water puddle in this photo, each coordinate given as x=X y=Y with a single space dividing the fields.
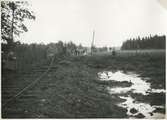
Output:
x=135 y=109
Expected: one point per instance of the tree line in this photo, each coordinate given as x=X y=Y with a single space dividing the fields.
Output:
x=33 y=54
x=149 y=42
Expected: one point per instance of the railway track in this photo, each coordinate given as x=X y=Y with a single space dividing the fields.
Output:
x=17 y=102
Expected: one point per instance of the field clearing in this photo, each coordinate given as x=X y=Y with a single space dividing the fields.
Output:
x=132 y=52
x=135 y=52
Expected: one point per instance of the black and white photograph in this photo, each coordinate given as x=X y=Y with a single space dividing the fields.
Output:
x=74 y=59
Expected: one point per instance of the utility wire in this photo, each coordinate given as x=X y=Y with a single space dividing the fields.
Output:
x=31 y=84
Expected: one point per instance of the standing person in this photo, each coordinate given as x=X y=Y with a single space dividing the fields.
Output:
x=114 y=52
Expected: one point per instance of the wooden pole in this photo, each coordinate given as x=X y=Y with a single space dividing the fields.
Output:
x=92 y=45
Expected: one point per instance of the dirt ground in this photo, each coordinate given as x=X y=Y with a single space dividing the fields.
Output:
x=73 y=90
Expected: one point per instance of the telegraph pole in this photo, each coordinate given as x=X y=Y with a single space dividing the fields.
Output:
x=92 y=44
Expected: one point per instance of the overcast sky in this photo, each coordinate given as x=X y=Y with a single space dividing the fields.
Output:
x=114 y=21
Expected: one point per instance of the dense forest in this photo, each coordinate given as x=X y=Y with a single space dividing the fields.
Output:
x=150 y=42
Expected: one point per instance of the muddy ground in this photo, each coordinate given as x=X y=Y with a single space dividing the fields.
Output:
x=73 y=90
